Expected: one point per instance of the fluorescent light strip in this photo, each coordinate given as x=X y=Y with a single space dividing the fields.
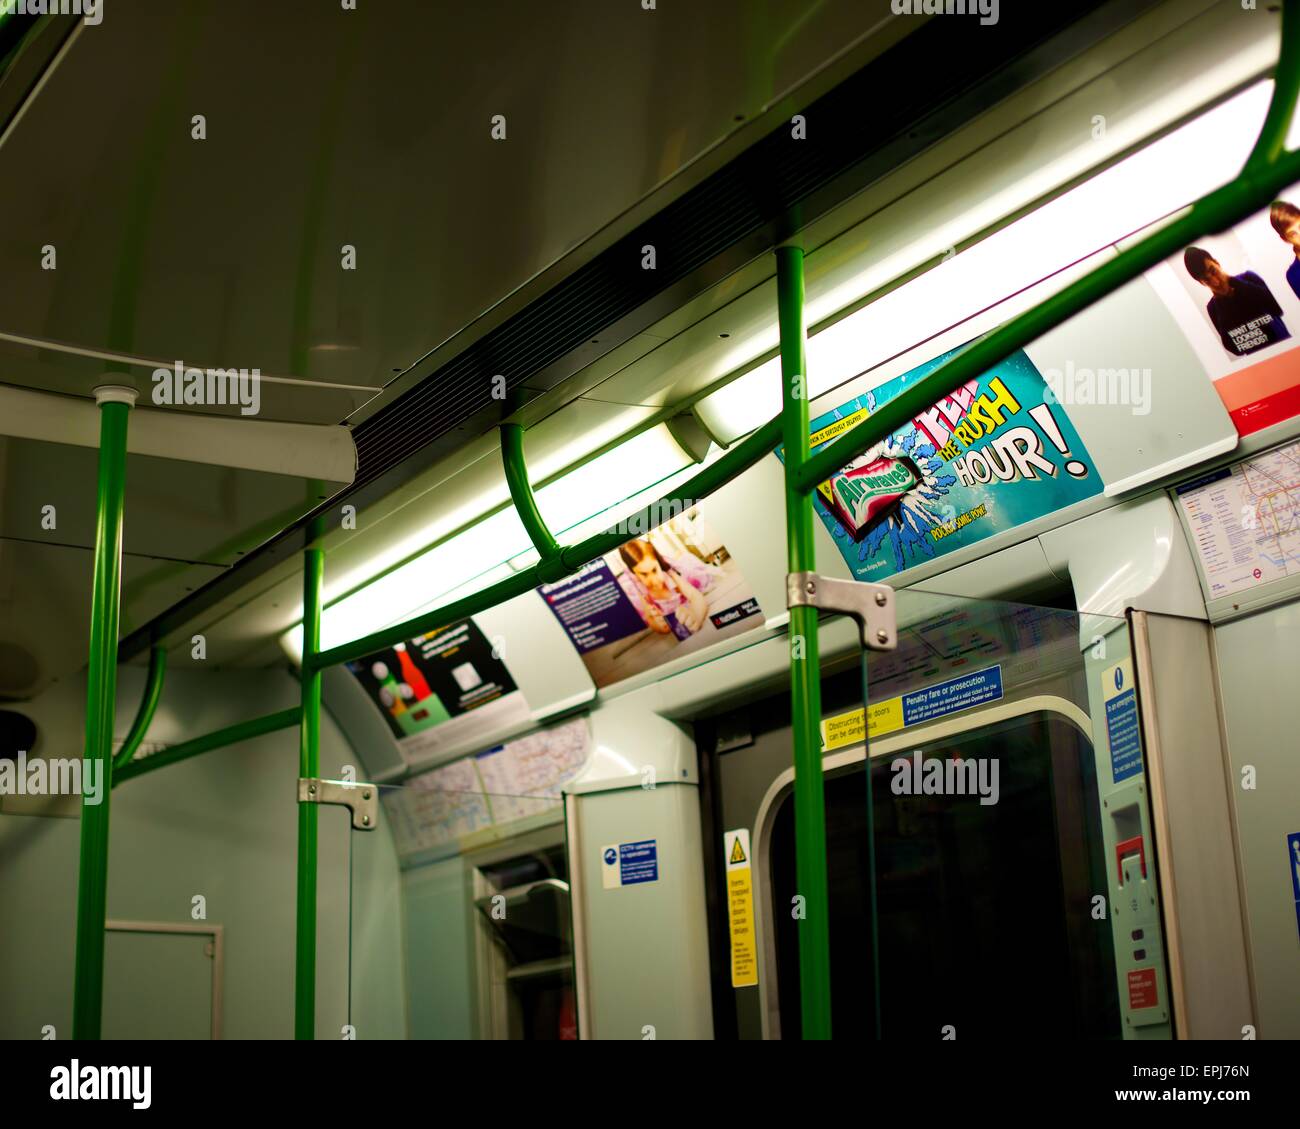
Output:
x=1165 y=176
x=480 y=486
x=610 y=478
x=459 y=562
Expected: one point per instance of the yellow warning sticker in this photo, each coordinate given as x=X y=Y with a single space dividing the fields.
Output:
x=846 y=728
x=740 y=909
x=834 y=431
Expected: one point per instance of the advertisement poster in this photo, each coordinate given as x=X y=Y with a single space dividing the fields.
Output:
x=998 y=453
x=655 y=598
x=1236 y=297
x=450 y=680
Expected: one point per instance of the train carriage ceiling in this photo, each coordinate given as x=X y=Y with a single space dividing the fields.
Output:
x=462 y=149
x=375 y=207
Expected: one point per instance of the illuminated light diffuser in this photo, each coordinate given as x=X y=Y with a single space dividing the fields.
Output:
x=1165 y=176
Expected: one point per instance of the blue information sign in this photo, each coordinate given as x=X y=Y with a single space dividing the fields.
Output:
x=960 y=693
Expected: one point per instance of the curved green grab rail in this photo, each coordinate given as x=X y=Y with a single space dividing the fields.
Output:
x=1271 y=144
x=153 y=689
x=521 y=492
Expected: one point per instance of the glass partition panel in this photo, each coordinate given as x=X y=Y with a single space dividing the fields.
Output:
x=474 y=941
x=1007 y=827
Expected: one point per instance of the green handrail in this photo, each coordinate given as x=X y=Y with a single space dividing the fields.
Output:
x=1270 y=145
x=153 y=688
x=1268 y=170
x=521 y=493
x=1214 y=212
x=101 y=691
x=1254 y=187
x=304 y=994
x=805 y=663
x=740 y=458
x=218 y=739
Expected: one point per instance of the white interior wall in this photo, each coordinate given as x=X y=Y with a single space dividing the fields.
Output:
x=222 y=825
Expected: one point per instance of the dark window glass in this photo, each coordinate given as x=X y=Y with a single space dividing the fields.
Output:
x=985 y=911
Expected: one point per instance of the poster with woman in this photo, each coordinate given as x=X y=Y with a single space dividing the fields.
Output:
x=1236 y=296
x=657 y=597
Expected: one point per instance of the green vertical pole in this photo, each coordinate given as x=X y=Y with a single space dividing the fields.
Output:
x=304 y=997
x=101 y=689
x=805 y=666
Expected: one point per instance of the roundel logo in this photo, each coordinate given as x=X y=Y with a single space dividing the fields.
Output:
x=1119 y=678
x=610 y=856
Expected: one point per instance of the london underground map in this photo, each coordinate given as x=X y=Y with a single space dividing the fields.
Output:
x=1245 y=521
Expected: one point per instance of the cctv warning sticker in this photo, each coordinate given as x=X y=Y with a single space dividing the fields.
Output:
x=629 y=864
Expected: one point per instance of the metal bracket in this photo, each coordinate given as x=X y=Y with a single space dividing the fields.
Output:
x=872 y=605
x=360 y=799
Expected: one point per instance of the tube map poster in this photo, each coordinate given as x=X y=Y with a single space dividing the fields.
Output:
x=997 y=453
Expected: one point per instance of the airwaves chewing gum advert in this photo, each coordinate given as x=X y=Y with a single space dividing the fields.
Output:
x=996 y=453
x=862 y=494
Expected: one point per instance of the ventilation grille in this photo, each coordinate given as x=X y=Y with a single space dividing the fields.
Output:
x=926 y=71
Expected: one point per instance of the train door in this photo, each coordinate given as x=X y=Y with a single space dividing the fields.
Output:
x=1016 y=886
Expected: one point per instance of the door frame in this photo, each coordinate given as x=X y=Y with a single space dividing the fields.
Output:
x=216 y=932
x=842 y=761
